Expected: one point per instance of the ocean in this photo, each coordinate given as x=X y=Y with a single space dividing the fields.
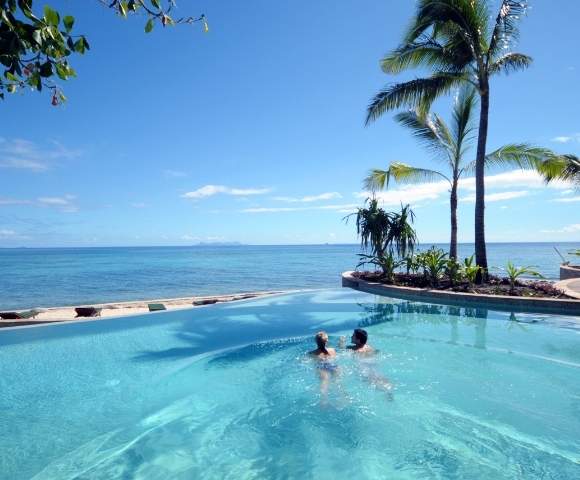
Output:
x=46 y=277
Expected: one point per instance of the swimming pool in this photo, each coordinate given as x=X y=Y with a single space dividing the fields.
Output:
x=226 y=392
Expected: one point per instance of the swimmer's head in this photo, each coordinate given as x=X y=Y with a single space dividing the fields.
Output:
x=321 y=339
x=359 y=337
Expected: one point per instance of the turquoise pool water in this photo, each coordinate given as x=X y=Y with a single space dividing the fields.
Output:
x=226 y=392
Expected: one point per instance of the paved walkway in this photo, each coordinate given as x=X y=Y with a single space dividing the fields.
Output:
x=570 y=287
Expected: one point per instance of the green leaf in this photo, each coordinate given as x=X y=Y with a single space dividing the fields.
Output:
x=68 y=23
x=156 y=4
x=123 y=8
x=62 y=71
x=51 y=16
x=79 y=46
x=11 y=88
x=149 y=25
x=86 y=43
x=10 y=76
x=37 y=36
x=45 y=69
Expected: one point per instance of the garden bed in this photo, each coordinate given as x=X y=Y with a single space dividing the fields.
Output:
x=494 y=286
x=507 y=303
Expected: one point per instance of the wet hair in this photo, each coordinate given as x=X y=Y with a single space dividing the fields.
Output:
x=361 y=335
x=321 y=341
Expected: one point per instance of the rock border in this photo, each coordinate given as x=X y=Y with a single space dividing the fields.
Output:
x=493 y=302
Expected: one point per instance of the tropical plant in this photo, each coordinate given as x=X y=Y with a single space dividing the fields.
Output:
x=513 y=273
x=433 y=262
x=387 y=262
x=383 y=232
x=411 y=263
x=456 y=41
x=453 y=271
x=470 y=270
x=34 y=48
x=450 y=144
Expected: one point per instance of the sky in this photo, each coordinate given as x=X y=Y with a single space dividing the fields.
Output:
x=254 y=132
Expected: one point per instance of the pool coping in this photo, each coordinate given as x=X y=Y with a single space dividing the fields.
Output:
x=73 y=321
x=493 y=302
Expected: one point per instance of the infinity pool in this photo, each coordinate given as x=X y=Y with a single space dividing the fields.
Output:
x=225 y=392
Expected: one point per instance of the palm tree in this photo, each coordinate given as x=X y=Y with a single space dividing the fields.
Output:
x=457 y=42
x=384 y=232
x=565 y=167
x=450 y=144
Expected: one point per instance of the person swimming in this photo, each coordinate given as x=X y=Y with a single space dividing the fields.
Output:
x=359 y=341
x=327 y=368
x=323 y=352
x=367 y=365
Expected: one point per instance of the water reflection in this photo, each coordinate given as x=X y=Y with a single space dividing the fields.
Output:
x=410 y=313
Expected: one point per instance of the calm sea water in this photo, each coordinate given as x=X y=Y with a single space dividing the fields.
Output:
x=72 y=276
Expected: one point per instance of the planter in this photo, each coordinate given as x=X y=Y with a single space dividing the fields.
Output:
x=493 y=302
x=569 y=271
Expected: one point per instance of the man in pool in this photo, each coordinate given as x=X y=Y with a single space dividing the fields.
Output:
x=360 y=346
x=359 y=340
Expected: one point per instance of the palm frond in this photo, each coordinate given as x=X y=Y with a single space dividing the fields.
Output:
x=521 y=155
x=470 y=17
x=462 y=126
x=511 y=62
x=506 y=29
x=563 y=167
x=414 y=93
x=426 y=53
x=425 y=128
x=402 y=173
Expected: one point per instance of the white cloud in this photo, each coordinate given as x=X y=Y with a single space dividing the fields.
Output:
x=14 y=201
x=497 y=197
x=575 y=137
x=573 y=228
x=26 y=155
x=4 y=233
x=64 y=204
x=138 y=205
x=410 y=193
x=310 y=198
x=7 y=234
x=413 y=194
x=347 y=208
x=190 y=238
x=210 y=190
x=567 y=199
x=514 y=179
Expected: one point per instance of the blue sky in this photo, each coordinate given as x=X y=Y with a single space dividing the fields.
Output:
x=254 y=132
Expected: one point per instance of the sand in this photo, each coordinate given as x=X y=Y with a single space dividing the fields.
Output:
x=120 y=309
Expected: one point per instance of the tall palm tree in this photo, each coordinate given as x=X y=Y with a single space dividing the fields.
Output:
x=450 y=144
x=457 y=42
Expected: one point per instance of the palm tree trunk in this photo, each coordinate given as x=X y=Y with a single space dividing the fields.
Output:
x=453 y=201
x=480 y=248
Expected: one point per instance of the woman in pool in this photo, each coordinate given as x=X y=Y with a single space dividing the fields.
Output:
x=326 y=366
x=323 y=352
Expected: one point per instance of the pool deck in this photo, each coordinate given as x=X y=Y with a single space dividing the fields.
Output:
x=570 y=287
